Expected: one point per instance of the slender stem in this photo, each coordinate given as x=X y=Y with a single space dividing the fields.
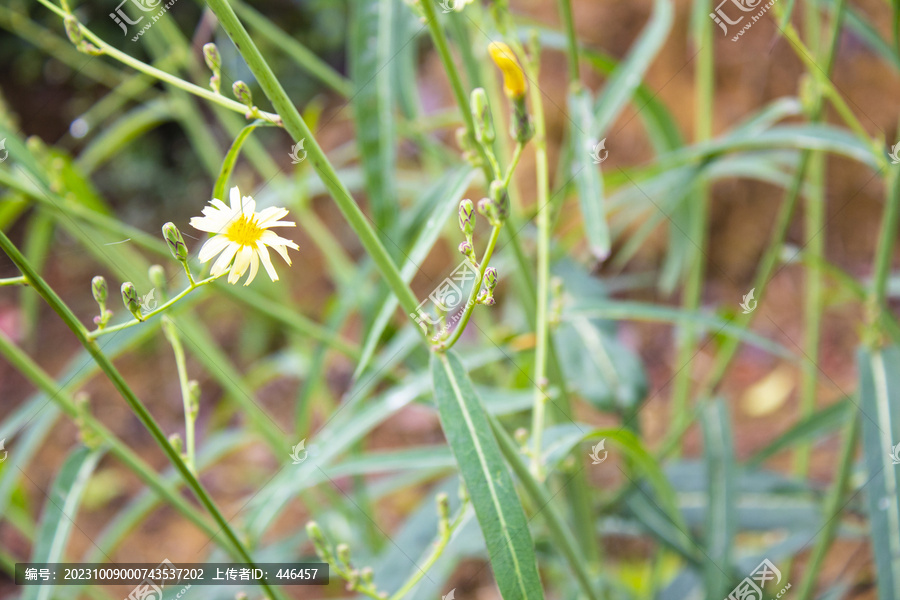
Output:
x=517 y=154
x=436 y=553
x=92 y=335
x=539 y=495
x=161 y=75
x=541 y=328
x=298 y=129
x=470 y=304
x=833 y=505
x=14 y=281
x=688 y=339
x=565 y=11
x=137 y=407
x=815 y=247
x=171 y=333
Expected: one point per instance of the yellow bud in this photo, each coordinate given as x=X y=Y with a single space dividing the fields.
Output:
x=513 y=77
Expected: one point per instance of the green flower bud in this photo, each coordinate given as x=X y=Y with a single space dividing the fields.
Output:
x=194 y=396
x=242 y=92
x=175 y=242
x=99 y=290
x=467 y=218
x=490 y=279
x=500 y=196
x=212 y=58
x=73 y=30
x=319 y=542
x=443 y=504
x=368 y=575
x=521 y=436
x=521 y=128
x=131 y=300
x=343 y=553
x=214 y=62
x=488 y=208
x=481 y=113
x=175 y=441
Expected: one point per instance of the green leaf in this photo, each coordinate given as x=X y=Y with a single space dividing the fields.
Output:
x=59 y=513
x=369 y=56
x=879 y=391
x=487 y=479
x=811 y=428
x=630 y=72
x=587 y=175
x=718 y=455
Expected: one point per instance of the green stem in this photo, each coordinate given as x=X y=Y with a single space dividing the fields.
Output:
x=541 y=327
x=137 y=407
x=833 y=505
x=687 y=347
x=14 y=281
x=565 y=11
x=539 y=495
x=171 y=333
x=433 y=557
x=92 y=335
x=158 y=74
x=470 y=304
x=298 y=129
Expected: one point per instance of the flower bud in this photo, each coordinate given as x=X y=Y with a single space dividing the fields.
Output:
x=367 y=575
x=319 y=542
x=212 y=58
x=465 y=248
x=467 y=218
x=488 y=208
x=175 y=242
x=343 y=553
x=500 y=198
x=99 y=290
x=490 y=279
x=513 y=78
x=194 y=396
x=521 y=126
x=131 y=301
x=175 y=441
x=481 y=114
x=443 y=504
x=73 y=30
x=242 y=92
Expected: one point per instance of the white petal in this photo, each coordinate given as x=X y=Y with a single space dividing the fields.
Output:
x=235 y=198
x=241 y=262
x=270 y=214
x=280 y=249
x=218 y=204
x=221 y=264
x=208 y=224
x=248 y=206
x=281 y=224
x=266 y=261
x=273 y=239
x=254 y=267
x=213 y=246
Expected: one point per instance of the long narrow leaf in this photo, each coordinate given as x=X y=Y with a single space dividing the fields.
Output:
x=487 y=479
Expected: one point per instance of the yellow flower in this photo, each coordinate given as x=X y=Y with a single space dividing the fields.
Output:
x=242 y=235
x=513 y=77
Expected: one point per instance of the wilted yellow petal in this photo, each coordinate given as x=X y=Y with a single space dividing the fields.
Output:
x=513 y=77
x=769 y=393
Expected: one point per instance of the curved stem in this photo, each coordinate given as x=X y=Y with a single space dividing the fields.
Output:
x=161 y=75
x=92 y=335
x=470 y=305
x=171 y=333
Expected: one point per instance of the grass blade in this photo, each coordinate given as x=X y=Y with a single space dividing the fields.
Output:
x=720 y=469
x=879 y=392
x=587 y=176
x=59 y=513
x=487 y=479
x=370 y=44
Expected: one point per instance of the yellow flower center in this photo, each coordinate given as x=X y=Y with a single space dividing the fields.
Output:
x=244 y=231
